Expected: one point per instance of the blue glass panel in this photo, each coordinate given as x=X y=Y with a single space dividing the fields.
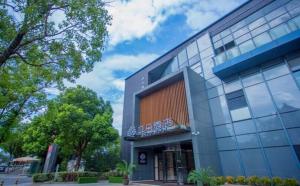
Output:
x=282 y=162
x=227 y=143
x=276 y=71
x=252 y=79
x=279 y=31
x=219 y=110
x=232 y=86
x=254 y=162
x=297 y=77
x=247 y=141
x=291 y=119
x=214 y=92
x=273 y=138
x=230 y=163
x=213 y=82
x=246 y=46
x=268 y=123
x=260 y=100
x=286 y=95
x=244 y=127
x=223 y=130
x=262 y=39
x=294 y=135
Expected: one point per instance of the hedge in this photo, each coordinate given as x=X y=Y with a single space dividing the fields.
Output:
x=115 y=179
x=64 y=176
x=87 y=180
x=42 y=177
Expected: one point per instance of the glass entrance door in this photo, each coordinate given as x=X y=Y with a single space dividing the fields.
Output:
x=170 y=172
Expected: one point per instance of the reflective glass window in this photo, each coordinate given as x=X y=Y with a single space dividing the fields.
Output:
x=182 y=57
x=275 y=13
x=291 y=119
x=172 y=67
x=204 y=42
x=294 y=62
x=292 y=4
x=260 y=30
x=214 y=38
x=257 y=23
x=227 y=143
x=282 y=162
x=247 y=141
x=225 y=33
x=246 y=46
x=279 y=31
x=213 y=82
x=252 y=79
x=273 y=138
x=206 y=53
x=240 y=114
x=295 y=11
x=230 y=163
x=197 y=68
x=227 y=39
x=268 y=123
x=214 y=92
x=238 y=25
x=233 y=52
x=262 y=39
x=220 y=58
x=244 y=127
x=275 y=71
x=218 y=44
x=260 y=100
x=207 y=65
x=192 y=49
x=254 y=162
x=296 y=20
x=219 y=110
x=279 y=20
x=297 y=77
x=240 y=32
x=243 y=38
x=194 y=59
x=223 y=130
x=232 y=86
x=285 y=93
x=292 y=25
x=294 y=135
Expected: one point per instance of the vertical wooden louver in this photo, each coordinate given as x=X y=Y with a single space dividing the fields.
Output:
x=168 y=102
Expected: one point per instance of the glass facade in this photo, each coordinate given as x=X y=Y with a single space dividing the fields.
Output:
x=255 y=113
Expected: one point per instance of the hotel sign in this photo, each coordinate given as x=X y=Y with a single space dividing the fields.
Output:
x=156 y=128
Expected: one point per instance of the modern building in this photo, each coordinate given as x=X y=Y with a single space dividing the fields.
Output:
x=227 y=98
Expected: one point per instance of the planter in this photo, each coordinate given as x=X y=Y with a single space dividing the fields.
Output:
x=115 y=179
x=125 y=181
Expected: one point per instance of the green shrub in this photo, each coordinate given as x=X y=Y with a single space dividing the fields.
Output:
x=115 y=179
x=253 y=180
x=229 y=179
x=87 y=180
x=220 y=180
x=240 y=179
x=265 y=181
x=276 y=181
x=73 y=176
x=290 y=182
x=42 y=177
x=203 y=176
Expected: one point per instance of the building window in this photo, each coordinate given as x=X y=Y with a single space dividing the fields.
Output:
x=297 y=150
x=182 y=57
x=294 y=64
x=237 y=105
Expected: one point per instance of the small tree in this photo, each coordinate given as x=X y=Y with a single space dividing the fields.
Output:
x=203 y=176
x=126 y=170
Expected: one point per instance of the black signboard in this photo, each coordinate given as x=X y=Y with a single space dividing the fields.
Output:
x=142 y=158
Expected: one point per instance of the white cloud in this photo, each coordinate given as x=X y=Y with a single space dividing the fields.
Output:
x=104 y=81
x=140 y=18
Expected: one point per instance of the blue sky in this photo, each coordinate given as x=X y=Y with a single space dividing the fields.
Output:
x=141 y=31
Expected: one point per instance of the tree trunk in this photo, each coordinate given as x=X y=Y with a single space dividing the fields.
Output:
x=78 y=160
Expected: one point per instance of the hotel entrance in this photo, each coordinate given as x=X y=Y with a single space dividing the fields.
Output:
x=173 y=163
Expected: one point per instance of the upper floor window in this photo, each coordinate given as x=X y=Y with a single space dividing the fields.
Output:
x=237 y=105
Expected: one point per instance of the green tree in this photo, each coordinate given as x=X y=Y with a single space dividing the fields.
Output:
x=43 y=43
x=103 y=159
x=14 y=142
x=76 y=120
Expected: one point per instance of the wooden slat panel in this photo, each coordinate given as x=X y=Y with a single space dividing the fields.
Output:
x=168 y=102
